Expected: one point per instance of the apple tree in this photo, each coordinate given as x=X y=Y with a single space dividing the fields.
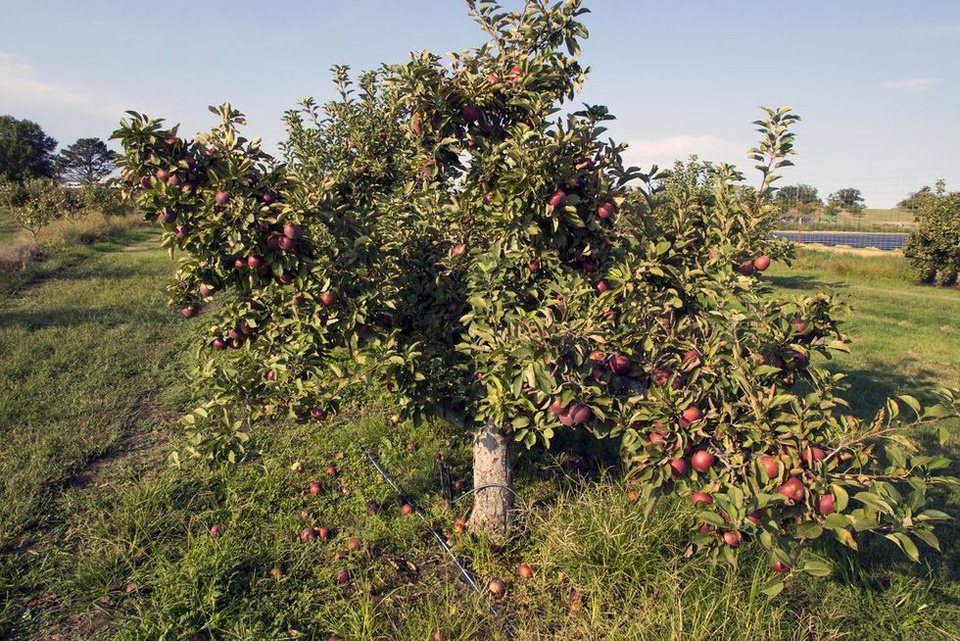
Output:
x=452 y=229
x=933 y=249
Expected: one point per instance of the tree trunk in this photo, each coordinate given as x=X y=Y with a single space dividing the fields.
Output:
x=492 y=464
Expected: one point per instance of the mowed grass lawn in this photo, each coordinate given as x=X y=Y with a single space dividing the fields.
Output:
x=905 y=338
x=101 y=539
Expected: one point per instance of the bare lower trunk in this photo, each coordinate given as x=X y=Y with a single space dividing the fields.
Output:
x=492 y=465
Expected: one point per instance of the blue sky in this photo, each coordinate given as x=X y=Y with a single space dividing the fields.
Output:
x=877 y=83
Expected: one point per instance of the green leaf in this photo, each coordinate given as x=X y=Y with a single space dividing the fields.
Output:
x=904 y=542
x=841 y=498
x=911 y=402
x=837 y=521
x=873 y=501
x=929 y=538
x=773 y=586
x=817 y=568
x=809 y=530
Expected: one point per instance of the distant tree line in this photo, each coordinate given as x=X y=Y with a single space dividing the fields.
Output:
x=805 y=200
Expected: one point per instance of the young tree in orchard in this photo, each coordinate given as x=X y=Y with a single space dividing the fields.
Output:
x=448 y=229
x=86 y=162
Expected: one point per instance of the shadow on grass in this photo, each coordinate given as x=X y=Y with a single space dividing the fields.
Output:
x=870 y=388
x=803 y=282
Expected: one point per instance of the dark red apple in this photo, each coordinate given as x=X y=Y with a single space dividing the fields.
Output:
x=308 y=534
x=793 y=489
x=798 y=360
x=267 y=198
x=470 y=113
x=678 y=467
x=692 y=358
x=825 y=505
x=690 y=415
x=167 y=216
x=746 y=268
x=162 y=175
x=534 y=265
x=754 y=517
x=813 y=455
x=619 y=364
x=207 y=289
x=770 y=465
x=732 y=538
x=215 y=530
x=318 y=414
x=407 y=509
x=702 y=460
x=760 y=263
x=558 y=198
x=602 y=286
x=605 y=210
x=342 y=577
x=353 y=543
x=323 y=533
x=524 y=571
x=315 y=488
x=780 y=567
x=496 y=587
x=292 y=231
x=701 y=497
x=328 y=298
x=218 y=343
x=657 y=438
x=222 y=198
x=190 y=311
x=580 y=413
x=557 y=408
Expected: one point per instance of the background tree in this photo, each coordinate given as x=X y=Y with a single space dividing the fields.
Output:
x=847 y=199
x=449 y=231
x=25 y=150
x=800 y=198
x=36 y=202
x=933 y=248
x=87 y=161
x=915 y=200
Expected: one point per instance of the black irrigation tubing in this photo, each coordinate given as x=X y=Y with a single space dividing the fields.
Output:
x=467 y=575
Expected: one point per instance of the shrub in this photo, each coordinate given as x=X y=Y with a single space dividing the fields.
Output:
x=934 y=247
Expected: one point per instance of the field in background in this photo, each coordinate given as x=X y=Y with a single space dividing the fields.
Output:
x=872 y=220
x=100 y=538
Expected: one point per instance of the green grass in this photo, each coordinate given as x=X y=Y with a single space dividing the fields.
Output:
x=9 y=230
x=869 y=220
x=904 y=337
x=103 y=540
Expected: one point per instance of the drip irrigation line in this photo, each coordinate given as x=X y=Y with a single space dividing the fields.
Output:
x=464 y=572
x=484 y=487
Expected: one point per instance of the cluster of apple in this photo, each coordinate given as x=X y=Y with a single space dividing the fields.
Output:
x=758 y=264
